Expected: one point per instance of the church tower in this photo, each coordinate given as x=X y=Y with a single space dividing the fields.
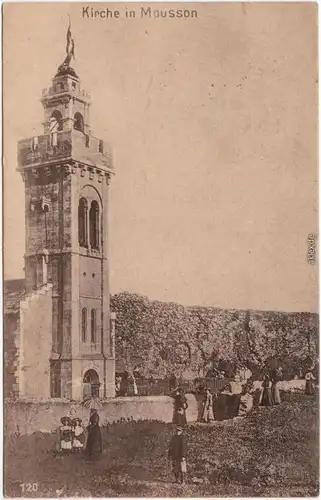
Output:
x=66 y=172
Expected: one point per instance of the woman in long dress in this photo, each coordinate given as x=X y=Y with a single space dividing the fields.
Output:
x=94 y=443
x=275 y=387
x=266 y=394
x=275 y=392
x=309 y=383
x=180 y=407
x=208 y=414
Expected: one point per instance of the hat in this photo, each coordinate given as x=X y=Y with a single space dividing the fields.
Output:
x=94 y=418
x=75 y=420
x=65 y=420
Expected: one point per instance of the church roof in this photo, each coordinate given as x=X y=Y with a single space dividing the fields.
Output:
x=13 y=293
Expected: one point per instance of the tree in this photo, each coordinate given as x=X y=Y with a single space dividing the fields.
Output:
x=163 y=338
x=133 y=341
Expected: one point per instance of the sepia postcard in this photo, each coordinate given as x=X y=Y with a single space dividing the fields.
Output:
x=160 y=187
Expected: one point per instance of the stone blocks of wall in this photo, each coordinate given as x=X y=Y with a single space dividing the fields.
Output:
x=35 y=343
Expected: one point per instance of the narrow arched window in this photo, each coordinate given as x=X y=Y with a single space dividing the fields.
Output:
x=94 y=225
x=55 y=122
x=82 y=222
x=93 y=326
x=84 y=325
x=78 y=122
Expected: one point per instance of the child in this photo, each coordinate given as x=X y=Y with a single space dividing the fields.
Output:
x=177 y=454
x=65 y=434
x=78 y=435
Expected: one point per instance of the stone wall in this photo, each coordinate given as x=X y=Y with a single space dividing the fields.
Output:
x=35 y=343
x=27 y=417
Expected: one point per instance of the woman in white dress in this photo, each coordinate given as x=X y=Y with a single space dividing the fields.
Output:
x=208 y=414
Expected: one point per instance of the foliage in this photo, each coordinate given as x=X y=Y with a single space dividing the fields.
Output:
x=11 y=353
x=163 y=338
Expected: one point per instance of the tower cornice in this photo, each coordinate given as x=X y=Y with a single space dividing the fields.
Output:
x=48 y=172
x=69 y=146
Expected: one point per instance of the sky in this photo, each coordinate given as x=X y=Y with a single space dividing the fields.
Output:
x=213 y=126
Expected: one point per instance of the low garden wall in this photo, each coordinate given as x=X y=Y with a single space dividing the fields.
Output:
x=24 y=417
x=28 y=417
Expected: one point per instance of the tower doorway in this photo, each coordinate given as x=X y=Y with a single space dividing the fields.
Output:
x=91 y=384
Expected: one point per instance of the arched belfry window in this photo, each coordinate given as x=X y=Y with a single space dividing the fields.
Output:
x=78 y=122
x=84 y=324
x=82 y=222
x=55 y=122
x=94 y=225
x=93 y=326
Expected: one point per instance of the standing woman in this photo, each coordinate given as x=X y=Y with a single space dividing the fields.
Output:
x=309 y=383
x=94 y=444
x=275 y=391
x=180 y=407
x=208 y=414
x=266 y=394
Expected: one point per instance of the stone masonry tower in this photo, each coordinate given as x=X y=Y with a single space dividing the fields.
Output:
x=66 y=172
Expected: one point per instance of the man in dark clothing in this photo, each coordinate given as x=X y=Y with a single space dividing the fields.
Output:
x=177 y=453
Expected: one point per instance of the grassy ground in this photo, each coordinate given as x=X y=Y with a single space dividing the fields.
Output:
x=273 y=452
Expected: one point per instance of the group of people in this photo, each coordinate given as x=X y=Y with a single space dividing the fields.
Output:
x=242 y=404
x=75 y=438
x=126 y=384
x=270 y=393
x=71 y=435
x=177 y=452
